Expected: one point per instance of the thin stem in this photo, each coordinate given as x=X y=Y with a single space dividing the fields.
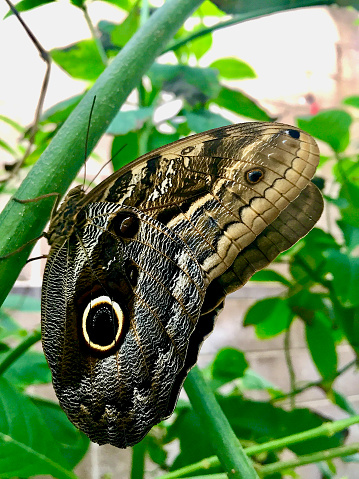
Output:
x=309 y=459
x=94 y=35
x=138 y=460
x=19 y=350
x=145 y=12
x=217 y=428
x=289 y=362
x=327 y=429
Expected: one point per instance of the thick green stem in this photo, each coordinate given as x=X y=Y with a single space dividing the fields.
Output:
x=327 y=429
x=216 y=427
x=62 y=160
x=138 y=460
x=19 y=350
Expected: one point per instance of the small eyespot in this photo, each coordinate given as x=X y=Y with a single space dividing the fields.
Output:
x=293 y=133
x=102 y=323
x=187 y=150
x=126 y=224
x=254 y=176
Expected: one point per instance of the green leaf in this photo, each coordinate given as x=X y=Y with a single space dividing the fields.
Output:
x=5 y=146
x=72 y=443
x=122 y=33
x=240 y=104
x=322 y=347
x=331 y=126
x=352 y=101
x=126 y=121
x=345 y=271
x=124 y=4
x=27 y=446
x=12 y=123
x=270 y=316
x=80 y=60
x=22 y=302
x=202 y=120
x=341 y=401
x=229 y=364
x=26 y=5
x=9 y=327
x=348 y=320
x=350 y=233
x=30 y=368
x=254 y=381
x=59 y=112
x=124 y=149
x=233 y=69
x=270 y=275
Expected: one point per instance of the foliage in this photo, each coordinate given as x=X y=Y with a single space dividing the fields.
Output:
x=319 y=289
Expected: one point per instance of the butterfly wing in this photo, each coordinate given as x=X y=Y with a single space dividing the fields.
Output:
x=129 y=296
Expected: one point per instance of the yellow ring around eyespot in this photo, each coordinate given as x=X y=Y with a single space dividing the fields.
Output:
x=119 y=315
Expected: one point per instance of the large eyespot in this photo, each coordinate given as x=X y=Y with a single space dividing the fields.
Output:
x=102 y=323
x=293 y=133
x=126 y=224
x=253 y=176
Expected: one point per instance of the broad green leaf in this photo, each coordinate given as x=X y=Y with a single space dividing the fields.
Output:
x=270 y=275
x=27 y=446
x=200 y=45
x=202 y=120
x=254 y=381
x=348 y=320
x=26 y=5
x=124 y=149
x=350 y=233
x=72 y=443
x=270 y=316
x=122 y=33
x=9 y=327
x=80 y=60
x=345 y=271
x=337 y=398
x=322 y=346
x=228 y=364
x=352 y=101
x=175 y=78
x=126 y=121
x=233 y=69
x=59 y=112
x=331 y=126
x=30 y=368
x=22 y=302
x=240 y=104
x=157 y=139
x=124 y=4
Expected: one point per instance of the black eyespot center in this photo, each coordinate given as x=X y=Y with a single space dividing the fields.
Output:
x=255 y=175
x=126 y=224
x=293 y=133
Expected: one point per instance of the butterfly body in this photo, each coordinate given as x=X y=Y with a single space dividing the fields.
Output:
x=140 y=266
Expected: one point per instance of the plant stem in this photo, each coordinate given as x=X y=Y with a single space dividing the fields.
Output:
x=138 y=460
x=61 y=161
x=290 y=366
x=327 y=429
x=309 y=459
x=15 y=353
x=94 y=35
x=217 y=428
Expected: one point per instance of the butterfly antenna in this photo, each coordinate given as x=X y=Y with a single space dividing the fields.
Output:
x=88 y=134
x=107 y=162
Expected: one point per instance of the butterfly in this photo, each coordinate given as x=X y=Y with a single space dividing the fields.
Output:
x=140 y=266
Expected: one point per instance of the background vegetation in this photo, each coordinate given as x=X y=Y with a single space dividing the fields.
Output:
x=320 y=287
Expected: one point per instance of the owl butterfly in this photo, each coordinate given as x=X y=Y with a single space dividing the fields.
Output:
x=139 y=267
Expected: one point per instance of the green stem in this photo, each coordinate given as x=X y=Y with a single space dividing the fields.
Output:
x=327 y=429
x=94 y=36
x=288 y=360
x=216 y=427
x=145 y=12
x=309 y=459
x=19 y=350
x=138 y=460
x=62 y=160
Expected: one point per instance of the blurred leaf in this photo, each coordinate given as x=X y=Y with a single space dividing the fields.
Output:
x=80 y=60
x=254 y=381
x=322 y=347
x=71 y=442
x=21 y=302
x=125 y=147
x=229 y=364
x=9 y=327
x=157 y=139
x=30 y=368
x=345 y=270
x=240 y=104
x=270 y=316
x=122 y=33
x=352 y=101
x=26 y=5
x=124 y=4
x=350 y=233
x=126 y=121
x=12 y=123
x=202 y=120
x=348 y=319
x=5 y=146
x=233 y=69
x=331 y=126
x=59 y=112
x=270 y=275
x=27 y=446
x=342 y=402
